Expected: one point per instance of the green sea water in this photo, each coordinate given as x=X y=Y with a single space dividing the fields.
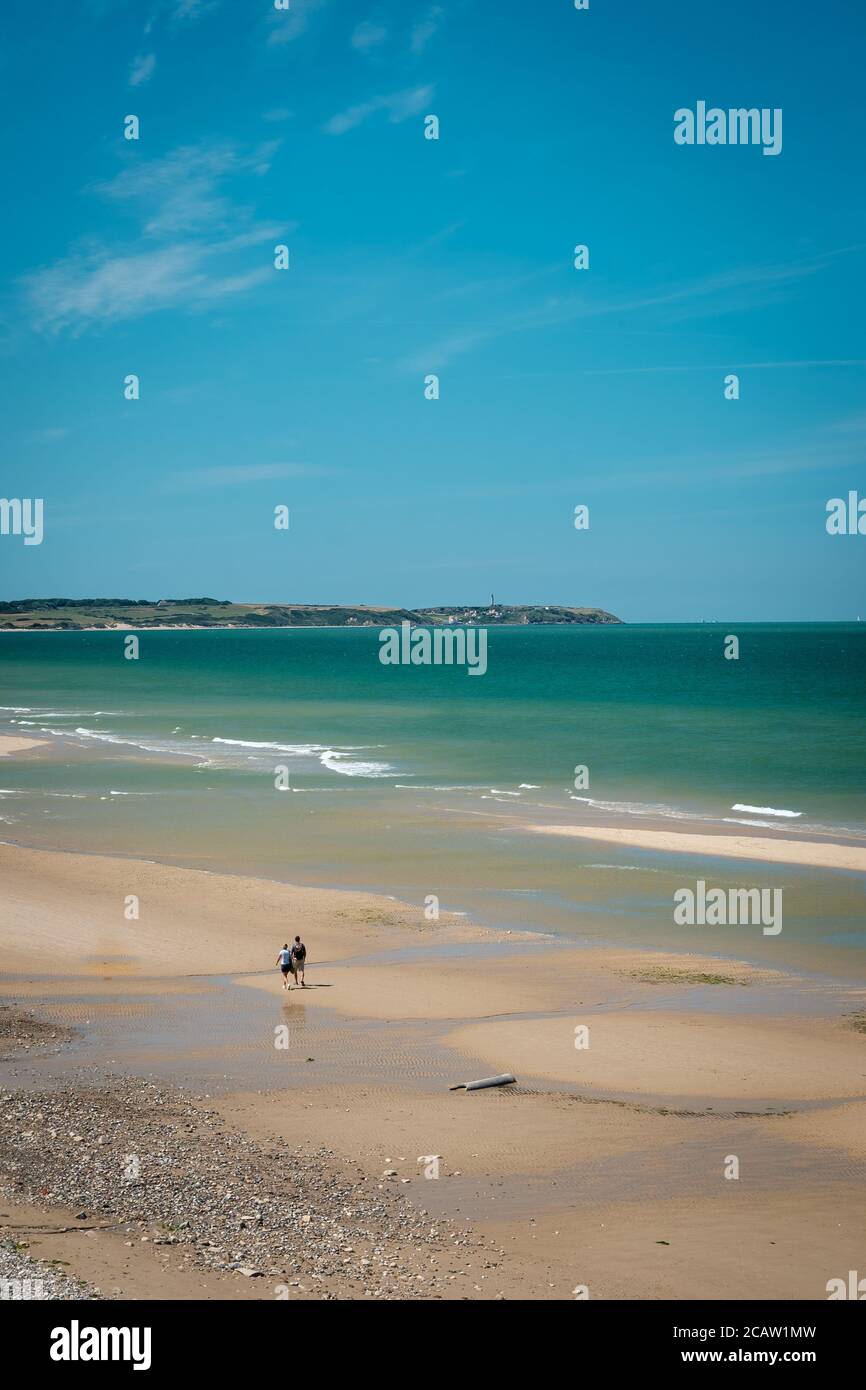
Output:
x=419 y=780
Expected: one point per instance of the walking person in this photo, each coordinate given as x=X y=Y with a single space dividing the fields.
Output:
x=299 y=960
x=284 y=961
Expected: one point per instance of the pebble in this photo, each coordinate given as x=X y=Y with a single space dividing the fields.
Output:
x=351 y=1236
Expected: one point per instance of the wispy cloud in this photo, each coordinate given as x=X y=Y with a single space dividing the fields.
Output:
x=447 y=349
x=729 y=290
x=399 y=106
x=101 y=288
x=424 y=30
x=852 y=424
x=712 y=295
x=51 y=435
x=183 y=10
x=794 y=455
x=183 y=190
x=175 y=11
x=186 y=253
x=284 y=26
x=368 y=34
x=141 y=70
x=434 y=239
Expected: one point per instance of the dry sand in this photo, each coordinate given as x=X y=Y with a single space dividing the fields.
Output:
x=10 y=744
x=756 y=847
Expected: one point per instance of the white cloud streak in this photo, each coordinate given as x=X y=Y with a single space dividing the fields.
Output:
x=142 y=68
x=399 y=106
x=425 y=29
x=188 y=10
x=723 y=293
x=186 y=253
x=284 y=26
x=368 y=35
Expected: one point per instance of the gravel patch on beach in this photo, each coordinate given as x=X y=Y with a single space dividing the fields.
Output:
x=21 y=1033
x=24 y=1279
x=143 y=1157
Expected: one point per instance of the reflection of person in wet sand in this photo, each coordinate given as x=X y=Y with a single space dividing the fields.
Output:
x=284 y=961
x=299 y=960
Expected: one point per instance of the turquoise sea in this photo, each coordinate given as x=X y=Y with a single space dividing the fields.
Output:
x=421 y=780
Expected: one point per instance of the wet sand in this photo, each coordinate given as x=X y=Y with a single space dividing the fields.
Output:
x=68 y=914
x=682 y=1056
x=578 y=1173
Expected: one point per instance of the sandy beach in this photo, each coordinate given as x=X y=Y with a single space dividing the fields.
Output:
x=605 y=1164
x=759 y=848
x=433 y=837
x=10 y=745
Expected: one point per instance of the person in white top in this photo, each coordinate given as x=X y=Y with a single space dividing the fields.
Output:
x=284 y=961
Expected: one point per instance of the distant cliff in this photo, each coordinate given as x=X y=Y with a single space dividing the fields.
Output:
x=69 y=614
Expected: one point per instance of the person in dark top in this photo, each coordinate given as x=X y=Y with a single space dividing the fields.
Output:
x=299 y=960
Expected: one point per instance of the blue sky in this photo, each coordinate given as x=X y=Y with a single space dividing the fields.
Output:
x=412 y=256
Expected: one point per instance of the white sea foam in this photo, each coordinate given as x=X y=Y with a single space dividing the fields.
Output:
x=146 y=745
x=47 y=714
x=335 y=760
x=639 y=808
x=668 y=812
x=58 y=713
x=636 y=808
x=300 y=749
x=424 y=787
